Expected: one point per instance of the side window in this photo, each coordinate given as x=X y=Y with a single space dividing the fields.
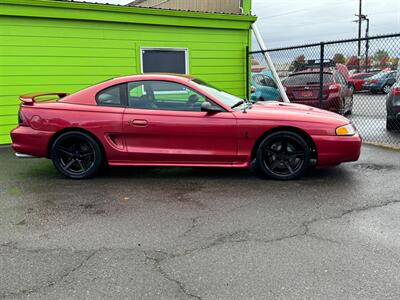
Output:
x=164 y=95
x=259 y=79
x=269 y=82
x=136 y=90
x=111 y=96
x=391 y=76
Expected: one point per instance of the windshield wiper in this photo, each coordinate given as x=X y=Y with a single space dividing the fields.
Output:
x=237 y=104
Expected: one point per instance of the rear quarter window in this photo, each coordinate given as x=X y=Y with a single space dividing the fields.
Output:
x=111 y=96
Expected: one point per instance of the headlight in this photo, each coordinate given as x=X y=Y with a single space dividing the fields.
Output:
x=348 y=129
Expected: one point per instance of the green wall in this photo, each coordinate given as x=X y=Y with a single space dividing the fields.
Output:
x=52 y=47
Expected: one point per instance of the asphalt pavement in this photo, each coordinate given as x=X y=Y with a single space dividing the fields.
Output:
x=196 y=233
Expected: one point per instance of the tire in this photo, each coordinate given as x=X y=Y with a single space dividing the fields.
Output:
x=350 y=110
x=342 y=109
x=283 y=155
x=391 y=125
x=386 y=89
x=76 y=155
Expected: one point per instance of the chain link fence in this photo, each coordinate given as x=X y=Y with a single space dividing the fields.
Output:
x=358 y=78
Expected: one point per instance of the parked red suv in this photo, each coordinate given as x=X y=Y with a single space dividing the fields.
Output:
x=303 y=87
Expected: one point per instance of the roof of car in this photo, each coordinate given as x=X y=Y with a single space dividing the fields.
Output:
x=152 y=75
x=361 y=73
x=312 y=71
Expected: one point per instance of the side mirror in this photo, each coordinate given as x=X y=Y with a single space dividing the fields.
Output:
x=206 y=106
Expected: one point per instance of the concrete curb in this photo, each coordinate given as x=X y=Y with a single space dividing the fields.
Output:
x=382 y=145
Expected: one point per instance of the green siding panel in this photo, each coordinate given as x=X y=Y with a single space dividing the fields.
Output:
x=7 y=110
x=47 y=54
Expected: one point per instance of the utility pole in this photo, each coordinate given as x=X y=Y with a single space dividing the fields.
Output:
x=360 y=19
x=366 y=44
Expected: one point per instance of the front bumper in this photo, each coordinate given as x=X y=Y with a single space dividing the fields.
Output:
x=333 y=150
x=393 y=112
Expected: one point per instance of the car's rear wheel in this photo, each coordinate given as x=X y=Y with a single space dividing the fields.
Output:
x=76 y=155
x=283 y=155
x=342 y=109
x=350 y=108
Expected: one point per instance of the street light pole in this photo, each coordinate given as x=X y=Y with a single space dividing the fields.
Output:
x=366 y=44
x=359 y=34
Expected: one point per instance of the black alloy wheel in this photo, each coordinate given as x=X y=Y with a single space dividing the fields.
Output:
x=76 y=155
x=283 y=155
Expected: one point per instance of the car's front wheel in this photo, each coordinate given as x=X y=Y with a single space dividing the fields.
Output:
x=283 y=155
x=76 y=155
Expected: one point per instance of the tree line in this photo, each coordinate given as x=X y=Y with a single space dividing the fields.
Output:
x=379 y=59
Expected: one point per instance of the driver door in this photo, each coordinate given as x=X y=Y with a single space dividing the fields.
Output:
x=164 y=124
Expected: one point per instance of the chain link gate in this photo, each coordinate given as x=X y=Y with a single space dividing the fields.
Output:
x=330 y=75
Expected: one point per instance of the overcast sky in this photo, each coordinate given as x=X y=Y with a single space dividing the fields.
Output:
x=292 y=22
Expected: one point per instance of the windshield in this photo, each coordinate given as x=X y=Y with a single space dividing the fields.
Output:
x=379 y=75
x=307 y=78
x=222 y=96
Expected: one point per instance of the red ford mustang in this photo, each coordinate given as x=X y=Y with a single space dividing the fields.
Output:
x=174 y=120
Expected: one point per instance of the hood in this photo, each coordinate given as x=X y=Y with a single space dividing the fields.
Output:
x=294 y=112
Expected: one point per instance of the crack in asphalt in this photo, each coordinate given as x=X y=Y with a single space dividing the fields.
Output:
x=344 y=213
x=244 y=236
x=156 y=262
x=51 y=283
x=363 y=208
x=195 y=222
x=157 y=257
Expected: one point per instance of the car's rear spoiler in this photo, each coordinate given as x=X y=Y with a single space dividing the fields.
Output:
x=31 y=98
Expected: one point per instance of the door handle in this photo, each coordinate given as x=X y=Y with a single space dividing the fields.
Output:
x=138 y=122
